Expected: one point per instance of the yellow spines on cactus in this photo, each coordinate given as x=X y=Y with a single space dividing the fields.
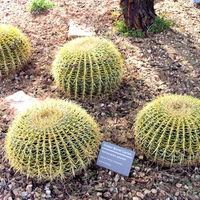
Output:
x=167 y=130
x=53 y=139
x=15 y=49
x=88 y=67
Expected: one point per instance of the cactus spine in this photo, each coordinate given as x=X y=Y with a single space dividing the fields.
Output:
x=87 y=67
x=15 y=49
x=52 y=139
x=167 y=130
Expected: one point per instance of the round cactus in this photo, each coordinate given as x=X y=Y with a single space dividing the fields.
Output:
x=87 y=67
x=15 y=49
x=167 y=130
x=53 y=139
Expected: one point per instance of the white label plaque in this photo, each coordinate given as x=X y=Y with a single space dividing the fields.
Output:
x=115 y=158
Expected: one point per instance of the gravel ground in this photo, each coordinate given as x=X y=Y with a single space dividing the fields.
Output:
x=158 y=64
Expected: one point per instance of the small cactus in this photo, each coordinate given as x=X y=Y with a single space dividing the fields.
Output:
x=167 y=130
x=15 y=49
x=87 y=67
x=53 y=139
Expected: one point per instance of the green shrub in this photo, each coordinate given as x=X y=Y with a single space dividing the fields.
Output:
x=160 y=25
x=88 y=67
x=121 y=27
x=167 y=130
x=15 y=49
x=39 y=6
x=53 y=139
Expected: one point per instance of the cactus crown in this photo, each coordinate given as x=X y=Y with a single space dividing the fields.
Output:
x=167 y=130
x=52 y=139
x=88 y=67
x=15 y=49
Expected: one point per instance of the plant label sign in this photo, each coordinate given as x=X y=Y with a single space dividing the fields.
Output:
x=115 y=158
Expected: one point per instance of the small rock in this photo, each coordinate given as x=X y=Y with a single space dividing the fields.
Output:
x=23 y=194
x=43 y=195
x=103 y=114
x=107 y=195
x=153 y=191
x=6 y=197
x=38 y=190
x=29 y=188
x=32 y=77
x=139 y=194
x=123 y=189
x=129 y=195
x=61 y=195
x=141 y=157
x=48 y=192
x=147 y=191
x=10 y=186
x=137 y=168
x=178 y=185
x=15 y=191
x=177 y=194
x=116 y=179
x=186 y=187
x=78 y=31
x=121 y=196
x=197 y=177
x=99 y=194
x=135 y=198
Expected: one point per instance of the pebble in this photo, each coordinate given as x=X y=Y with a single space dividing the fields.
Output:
x=141 y=157
x=99 y=194
x=147 y=191
x=48 y=192
x=29 y=188
x=137 y=168
x=135 y=198
x=154 y=191
x=15 y=191
x=10 y=186
x=116 y=179
x=177 y=194
x=139 y=194
x=186 y=187
x=197 y=177
x=107 y=195
x=61 y=195
x=32 y=77
x=23 y=194
x=123 y=189
x=178 y=185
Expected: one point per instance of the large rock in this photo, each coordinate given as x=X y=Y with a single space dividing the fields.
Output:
x=78 y=31
x=21 y=101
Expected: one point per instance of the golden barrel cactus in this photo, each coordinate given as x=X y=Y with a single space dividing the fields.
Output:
x=167 y=130
x=87 y=67
x=53 y=139
x=15 y=49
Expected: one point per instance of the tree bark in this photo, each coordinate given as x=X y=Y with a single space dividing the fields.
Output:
x=138 y=14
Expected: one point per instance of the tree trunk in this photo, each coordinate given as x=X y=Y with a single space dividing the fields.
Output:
x=138 y=14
